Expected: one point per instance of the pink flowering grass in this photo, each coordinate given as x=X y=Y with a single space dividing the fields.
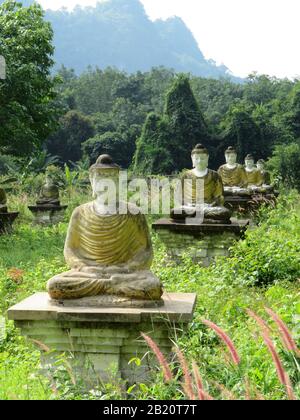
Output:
x=286 y=336
x=193 y=380
x=225 y=338
x=160 y=357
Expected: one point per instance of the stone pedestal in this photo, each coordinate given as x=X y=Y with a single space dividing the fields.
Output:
x=201 y=242
x=48 y=215
x=6 y=221
x=103 y=340
x=247 y=207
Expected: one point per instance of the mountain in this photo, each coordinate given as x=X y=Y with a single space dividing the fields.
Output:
x=118 y=33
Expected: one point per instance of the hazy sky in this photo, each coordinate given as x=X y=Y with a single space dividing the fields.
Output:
x=245 y=35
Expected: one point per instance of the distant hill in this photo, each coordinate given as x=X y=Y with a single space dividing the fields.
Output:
x=119 y=33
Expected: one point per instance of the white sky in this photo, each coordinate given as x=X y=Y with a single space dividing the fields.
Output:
x=245 y=35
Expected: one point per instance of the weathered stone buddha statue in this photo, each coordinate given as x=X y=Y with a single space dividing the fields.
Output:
x=210 y=196
x=266 y=176
x=109 y=254
x=3 y=201
x=49 y=194
x=253 y=175
x=233 y=175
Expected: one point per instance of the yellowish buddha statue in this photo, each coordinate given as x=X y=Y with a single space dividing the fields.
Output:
x=254 y=176
x=3 y=201
x=209 y=198
x=233 y=175
x=109 y=254
x=266 y=176
x=49 y=194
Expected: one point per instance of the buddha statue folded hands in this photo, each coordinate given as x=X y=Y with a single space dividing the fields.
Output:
x=109 y=254
x=203 y=192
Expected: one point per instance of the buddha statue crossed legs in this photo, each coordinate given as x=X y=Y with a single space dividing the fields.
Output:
x=110 y=254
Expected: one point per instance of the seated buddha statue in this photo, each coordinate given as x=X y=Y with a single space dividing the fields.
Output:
x=209 y=198
x=3 y=201
x=265 y=175
x=253 y=175
x=109 y=254
x=49 y=194
x=233 y=175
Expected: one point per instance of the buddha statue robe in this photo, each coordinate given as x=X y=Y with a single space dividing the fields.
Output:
x=233 y=177
x=212 y=194
x=266 y=177
x=109 y=256
x=3 y=201
x=254 y=178
x=49 y=195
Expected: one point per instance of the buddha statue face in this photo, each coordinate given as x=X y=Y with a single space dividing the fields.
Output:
x=231 y=158
x=105 y=186
x=249 y=163
x=200 y=161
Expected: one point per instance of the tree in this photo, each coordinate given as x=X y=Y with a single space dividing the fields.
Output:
x=75 y=129
x=186 y=123
x=166 y=142
x=294 y=115
x=241 y=131
x=28 y=113
x=152 y=155
x=285 y=164
x=118 y=145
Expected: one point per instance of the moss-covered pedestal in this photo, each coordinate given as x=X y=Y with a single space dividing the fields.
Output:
x=6 y=221
x=48 y=215
x=103 y=340
x=201 y=242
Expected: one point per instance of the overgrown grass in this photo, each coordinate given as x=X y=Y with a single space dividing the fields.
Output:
x=264 y=271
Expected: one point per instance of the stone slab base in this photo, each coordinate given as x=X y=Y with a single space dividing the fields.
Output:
x=6 y=222
x=103 y=340
x=203 y=243
x=243 y=207
x=50 y=215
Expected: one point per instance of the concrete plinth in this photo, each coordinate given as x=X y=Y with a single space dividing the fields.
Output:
x=6 y=221
x=203 y=243
x=247 y=207
x=48 y=215
x=103 y=340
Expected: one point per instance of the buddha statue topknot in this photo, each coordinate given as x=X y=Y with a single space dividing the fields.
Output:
x=109 y=254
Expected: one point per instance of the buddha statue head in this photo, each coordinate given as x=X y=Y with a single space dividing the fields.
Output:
x=260 y=165
x=231 y=156
x=200 y=157
x=104 y=178
x=249 y=162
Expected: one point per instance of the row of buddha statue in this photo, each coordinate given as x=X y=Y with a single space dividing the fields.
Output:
x=243 y=180
x=231 y=179
x=110 y=254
